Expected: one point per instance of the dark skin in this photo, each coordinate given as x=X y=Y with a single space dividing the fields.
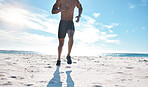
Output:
x=66 y=7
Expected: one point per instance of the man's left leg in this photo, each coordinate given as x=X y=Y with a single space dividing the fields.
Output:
x=70 y=44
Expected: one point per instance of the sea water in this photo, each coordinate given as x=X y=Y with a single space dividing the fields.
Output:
x=18 y=52
x=125 y=54
x=103 y=54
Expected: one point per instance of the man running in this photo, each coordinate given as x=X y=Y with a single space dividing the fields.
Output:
x=66 y=7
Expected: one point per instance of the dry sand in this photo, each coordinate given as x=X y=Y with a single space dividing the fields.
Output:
x=18 y=70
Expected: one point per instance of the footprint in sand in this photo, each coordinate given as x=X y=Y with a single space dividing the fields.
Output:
x=97 y=86
x=146 y=77
x=119 y=86
x=14 y=77
x=123 y=79
x=68 y=67
x=143 y=60
x=43 y=81
x=25 y=58
x=48 y=67
x=3 y=79
x=74 y=62
x=7 y=58
x=8 y=83
x=1 y=75
x=129 y=67
x=28 y=84
x=96 y=61
x=119 y=72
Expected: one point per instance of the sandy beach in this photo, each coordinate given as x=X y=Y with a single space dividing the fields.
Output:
x=18 y=70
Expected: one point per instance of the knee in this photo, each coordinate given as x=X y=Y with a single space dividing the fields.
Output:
x=61 y=45
x=71 y=36
x=71 y=39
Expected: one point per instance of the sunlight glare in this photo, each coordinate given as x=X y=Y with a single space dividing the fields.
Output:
x=13 y=15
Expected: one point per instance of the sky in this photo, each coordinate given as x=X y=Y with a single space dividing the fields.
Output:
x=106 y=26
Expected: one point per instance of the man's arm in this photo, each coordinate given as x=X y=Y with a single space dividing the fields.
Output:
x=56 y=7
x=79 y=6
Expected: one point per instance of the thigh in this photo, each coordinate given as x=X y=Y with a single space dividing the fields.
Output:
x=62 y=29
x=70 y=33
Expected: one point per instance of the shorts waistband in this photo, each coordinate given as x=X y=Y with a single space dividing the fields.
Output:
x=66 y=20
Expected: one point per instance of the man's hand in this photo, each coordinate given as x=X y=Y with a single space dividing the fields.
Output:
x=78 y=18
x=56 y=6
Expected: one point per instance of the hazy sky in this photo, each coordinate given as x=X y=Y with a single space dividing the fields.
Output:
x=105 y=26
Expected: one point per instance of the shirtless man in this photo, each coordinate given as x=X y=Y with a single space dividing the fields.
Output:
x=66 y=7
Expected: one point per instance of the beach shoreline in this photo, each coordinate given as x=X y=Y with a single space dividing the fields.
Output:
x=19 y=70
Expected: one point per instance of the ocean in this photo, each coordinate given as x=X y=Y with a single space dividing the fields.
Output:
x=19 y=52
x=103 y=54
x=125 y=54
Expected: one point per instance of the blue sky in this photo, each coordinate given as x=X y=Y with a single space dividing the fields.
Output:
x=105 y=26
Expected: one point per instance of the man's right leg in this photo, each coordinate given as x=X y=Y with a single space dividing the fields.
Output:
x=61 y=43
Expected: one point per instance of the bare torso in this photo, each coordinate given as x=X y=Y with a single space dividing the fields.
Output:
x=67 y=7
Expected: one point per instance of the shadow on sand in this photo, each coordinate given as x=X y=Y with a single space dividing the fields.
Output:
x=70 y=82
x=56 y=80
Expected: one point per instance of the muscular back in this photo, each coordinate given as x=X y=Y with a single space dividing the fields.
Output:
x=66 y=8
